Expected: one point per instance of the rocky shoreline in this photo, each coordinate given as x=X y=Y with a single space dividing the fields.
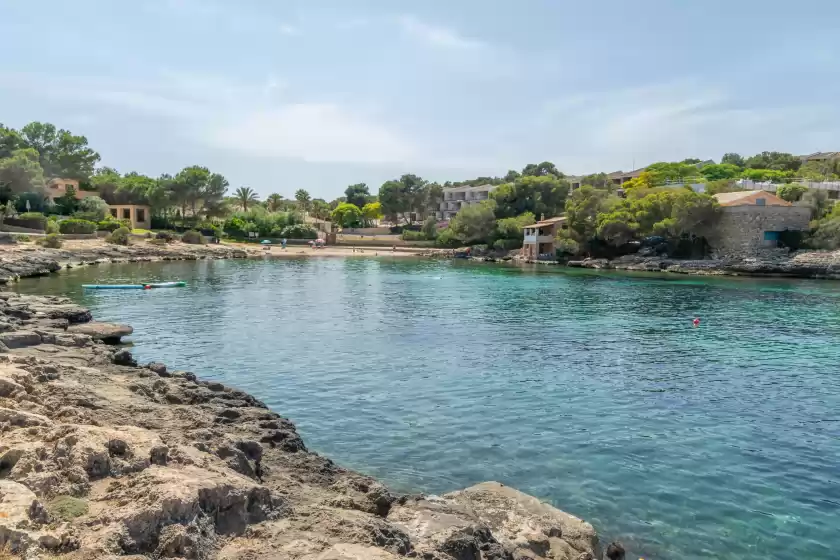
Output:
x=27 y=260
x=816 y=265
x=103 y=458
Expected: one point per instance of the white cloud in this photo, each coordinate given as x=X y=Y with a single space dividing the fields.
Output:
x=610 y=130
x=313 y=132
x=436 y=35
x=249 y=119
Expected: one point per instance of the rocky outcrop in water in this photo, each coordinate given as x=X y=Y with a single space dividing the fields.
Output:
x=102 y=458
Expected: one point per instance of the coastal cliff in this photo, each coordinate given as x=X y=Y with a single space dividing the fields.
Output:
x=103 y=458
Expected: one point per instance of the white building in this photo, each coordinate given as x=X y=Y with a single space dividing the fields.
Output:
x=455 y=198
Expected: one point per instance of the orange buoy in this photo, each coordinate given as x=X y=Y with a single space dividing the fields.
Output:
x=149 y=287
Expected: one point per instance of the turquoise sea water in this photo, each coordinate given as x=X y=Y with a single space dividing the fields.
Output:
x=592 y=391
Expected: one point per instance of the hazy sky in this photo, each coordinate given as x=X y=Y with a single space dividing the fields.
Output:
x=279 y=95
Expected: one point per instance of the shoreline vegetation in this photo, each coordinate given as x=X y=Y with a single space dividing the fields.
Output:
x=27 y=260
x=104 y=458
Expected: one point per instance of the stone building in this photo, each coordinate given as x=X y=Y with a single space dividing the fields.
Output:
x=753 y=221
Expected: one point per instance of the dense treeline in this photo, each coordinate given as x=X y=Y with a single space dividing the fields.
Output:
x=193 y=197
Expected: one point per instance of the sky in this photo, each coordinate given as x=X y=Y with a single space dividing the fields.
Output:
x=319 y=94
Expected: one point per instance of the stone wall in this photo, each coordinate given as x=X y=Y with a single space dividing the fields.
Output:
x=740 y=230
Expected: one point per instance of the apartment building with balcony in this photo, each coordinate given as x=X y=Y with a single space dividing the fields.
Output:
x=455 y=198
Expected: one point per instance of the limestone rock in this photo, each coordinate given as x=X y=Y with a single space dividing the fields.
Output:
x=523 y=522
x=347 y=551
x=20 y=339
x=107 y=332
x=22 y=525
x=123 y=358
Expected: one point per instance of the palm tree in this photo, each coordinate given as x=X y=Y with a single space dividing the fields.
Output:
x=274 y=201
x=246 y=195
x=303 y=198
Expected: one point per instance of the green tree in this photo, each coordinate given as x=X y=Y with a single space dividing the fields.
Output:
x=825 y=170
x=357 y=194
x=733 y=159
x=303 y=199
x=10 y=141
x=67 y=204
x=22 y=172
x=582 y=209
x=61 y=153
x=94 y=209
x=664 y=171
x=430 y=228
x=347 y=215
x=475 y=223
x=510 y=229
x=372 y=211
x=434 y=196
x=818 y=202
x=511 y=176
x=544 y=194
x=320 y=209
x=135 y=188
x=213 y=195
x=245 y=196
x=777 y=161
x=597 y=180
x=541 y=170
x=188 y=186
x=274 y=202
x=393 y=200
x=718 y=171
x=617 y=227
x=792 y=192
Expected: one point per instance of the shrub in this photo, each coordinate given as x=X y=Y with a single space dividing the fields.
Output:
x=193 y=238
x=408 y=235
x=119 y=236
x=52 y=226
x=111 y=224
x=447 y=238
x=566 y=246
x=51 y=241
x=23 y=237
x=67 y=508
x=430 y=228
x=299 y=231
x=31 y=220
x=94 y=208
x=507 y=244
x=76 y=226
x=165 y=236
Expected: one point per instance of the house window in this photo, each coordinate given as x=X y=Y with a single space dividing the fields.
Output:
x=760 y=202
x=114 y=212
x=67 y=186
x=126 y=213
x=141 y=214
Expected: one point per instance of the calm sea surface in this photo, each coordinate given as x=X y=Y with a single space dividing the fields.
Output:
x=592 y=391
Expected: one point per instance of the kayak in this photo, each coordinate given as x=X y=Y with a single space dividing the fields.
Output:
x=134 y=286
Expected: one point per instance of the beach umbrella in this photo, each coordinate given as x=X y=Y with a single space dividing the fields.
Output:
x=265 y=242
